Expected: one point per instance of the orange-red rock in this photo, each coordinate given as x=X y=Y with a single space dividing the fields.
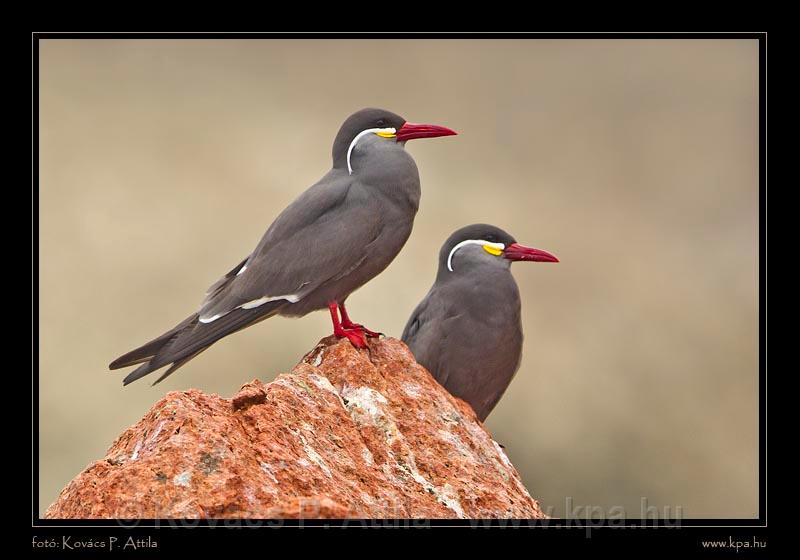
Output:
x=348 y=434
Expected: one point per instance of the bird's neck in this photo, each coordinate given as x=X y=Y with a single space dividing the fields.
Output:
x=395 y=177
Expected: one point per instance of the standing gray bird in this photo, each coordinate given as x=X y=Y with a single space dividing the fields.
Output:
x=467 y=331
x=336 y=236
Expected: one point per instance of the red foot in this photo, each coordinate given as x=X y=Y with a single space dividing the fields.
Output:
x=368 y=333
x=348 y=324
x=355 y=336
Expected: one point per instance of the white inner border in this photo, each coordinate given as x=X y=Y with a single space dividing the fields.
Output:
x=498 y=246
x=358 y=137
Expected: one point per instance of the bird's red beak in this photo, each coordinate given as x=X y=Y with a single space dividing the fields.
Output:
x=517 y=252
x=410 y=131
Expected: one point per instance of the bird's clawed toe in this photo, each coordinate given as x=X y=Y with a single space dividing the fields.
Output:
x=355 y=336
x=368 y=333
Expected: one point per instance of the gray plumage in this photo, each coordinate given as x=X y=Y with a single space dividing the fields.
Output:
x=467 y=331
x=332 y=239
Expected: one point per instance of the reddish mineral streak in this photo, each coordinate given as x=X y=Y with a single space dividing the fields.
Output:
x=348 y=434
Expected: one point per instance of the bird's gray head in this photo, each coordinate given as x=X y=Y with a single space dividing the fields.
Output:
x=483 y=245
x=377 y=129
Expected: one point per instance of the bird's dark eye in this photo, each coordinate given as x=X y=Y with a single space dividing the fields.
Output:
x=491 y=238
x=381 y=123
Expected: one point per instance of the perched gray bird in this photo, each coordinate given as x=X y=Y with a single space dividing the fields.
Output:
x=467 y=331
x=335 y=237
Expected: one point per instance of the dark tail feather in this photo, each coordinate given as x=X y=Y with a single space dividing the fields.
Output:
x=144 y=369
x=176 y=365
x=189 y=339
x=147 y=351
x=138 y=373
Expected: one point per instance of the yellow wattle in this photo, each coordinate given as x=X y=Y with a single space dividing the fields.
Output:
x=493 y=250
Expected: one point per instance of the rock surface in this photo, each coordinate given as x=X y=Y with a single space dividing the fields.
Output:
x=348 y=434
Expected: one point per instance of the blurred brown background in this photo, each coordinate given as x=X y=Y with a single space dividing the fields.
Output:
x=636 y=162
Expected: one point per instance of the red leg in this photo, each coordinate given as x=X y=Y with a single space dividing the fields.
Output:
x=355 y=336
x=348 y=324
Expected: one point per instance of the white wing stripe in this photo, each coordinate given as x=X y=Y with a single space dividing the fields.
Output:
x=291 y=298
